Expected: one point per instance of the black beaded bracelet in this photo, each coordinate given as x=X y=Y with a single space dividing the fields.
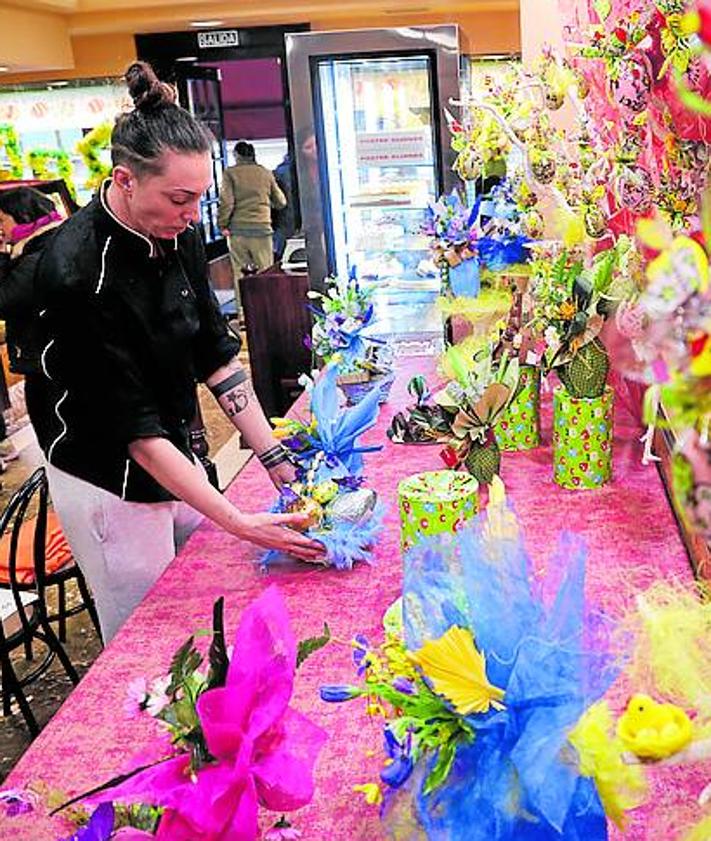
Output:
x=273 y=457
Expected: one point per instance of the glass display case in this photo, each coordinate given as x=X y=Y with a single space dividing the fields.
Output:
x=380 y=168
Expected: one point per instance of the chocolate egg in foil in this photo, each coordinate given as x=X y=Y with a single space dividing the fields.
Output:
x=353 y=507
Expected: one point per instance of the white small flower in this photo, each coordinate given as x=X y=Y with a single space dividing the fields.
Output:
x=158 y=699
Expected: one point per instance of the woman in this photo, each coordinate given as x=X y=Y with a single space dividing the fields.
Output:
x=28 y=220
x=131 y=326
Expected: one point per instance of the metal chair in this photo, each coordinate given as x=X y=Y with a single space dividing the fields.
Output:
x=23 y=609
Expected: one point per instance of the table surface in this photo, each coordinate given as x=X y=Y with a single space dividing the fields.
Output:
x=632 y=539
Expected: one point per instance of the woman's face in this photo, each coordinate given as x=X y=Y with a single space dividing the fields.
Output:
x=7 y=223
x=162 y=206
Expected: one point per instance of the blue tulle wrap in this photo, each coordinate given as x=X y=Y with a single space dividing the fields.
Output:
x=497 y=253
x=346 y=543
x=464 y=278
x=518 y=780
x=338 y=428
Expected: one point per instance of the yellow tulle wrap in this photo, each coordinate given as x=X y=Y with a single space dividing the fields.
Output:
x=620 y=786
x=483 y=312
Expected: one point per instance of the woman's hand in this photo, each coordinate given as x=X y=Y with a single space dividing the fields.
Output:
x=277 y=531
x=282 y=474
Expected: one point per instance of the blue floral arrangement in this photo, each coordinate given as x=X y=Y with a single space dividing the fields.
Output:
x=344 y=515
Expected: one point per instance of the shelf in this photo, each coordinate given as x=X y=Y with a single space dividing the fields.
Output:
x=386 y=206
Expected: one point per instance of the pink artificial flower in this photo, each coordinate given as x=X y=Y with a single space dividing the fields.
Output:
x=265 y=750
x=135 y=697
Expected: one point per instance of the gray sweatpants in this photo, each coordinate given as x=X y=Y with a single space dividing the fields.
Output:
x=121 y=547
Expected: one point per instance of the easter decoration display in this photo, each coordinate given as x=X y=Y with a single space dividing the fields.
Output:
x=475 y=399
x=452 y=226
x=344 y=515
x=480 y=685
x=232 y=740
x=92 y=148
x=52 y=163
x=424 y=422
x=570 y=311
x=12 y=167
x=666 y=328
x=342 y=314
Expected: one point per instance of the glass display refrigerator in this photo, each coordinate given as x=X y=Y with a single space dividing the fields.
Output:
x=372 y=151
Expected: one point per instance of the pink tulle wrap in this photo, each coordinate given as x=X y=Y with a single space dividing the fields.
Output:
x=265 y=750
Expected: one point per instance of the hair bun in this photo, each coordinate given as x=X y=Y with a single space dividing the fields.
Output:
x=145 y=88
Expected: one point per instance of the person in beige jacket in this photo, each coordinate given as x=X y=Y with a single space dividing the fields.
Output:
x=248 y=194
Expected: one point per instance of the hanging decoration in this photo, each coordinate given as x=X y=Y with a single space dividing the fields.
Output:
x=47 y=164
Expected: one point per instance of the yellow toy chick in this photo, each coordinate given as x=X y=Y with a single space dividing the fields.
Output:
x=653 y=731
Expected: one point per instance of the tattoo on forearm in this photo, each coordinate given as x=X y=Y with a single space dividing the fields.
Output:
x=226 y=385
x=237 y=399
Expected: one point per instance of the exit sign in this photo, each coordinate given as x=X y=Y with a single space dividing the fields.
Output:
x=218 y=38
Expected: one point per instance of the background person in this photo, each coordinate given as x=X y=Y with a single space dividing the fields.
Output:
x=131 y=326
x=248 y=194
x=28 y=220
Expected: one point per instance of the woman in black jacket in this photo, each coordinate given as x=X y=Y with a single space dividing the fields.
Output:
x=131 y=325
x=28 y=220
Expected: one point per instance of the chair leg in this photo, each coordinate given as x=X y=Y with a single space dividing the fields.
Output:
x=11 y=686
x=62 y=611
x=29 y=654
x=89 y=604
x=55 y=645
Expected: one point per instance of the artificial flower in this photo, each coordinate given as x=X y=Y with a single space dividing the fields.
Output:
x=372 y=792
x=158 y=698
x=136 y=695
x=100 y=826
x=261 y=750
x=458 y=672
x=18 y=801
x=282 y=831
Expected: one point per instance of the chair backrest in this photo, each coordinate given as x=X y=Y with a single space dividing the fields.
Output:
x=12 y=520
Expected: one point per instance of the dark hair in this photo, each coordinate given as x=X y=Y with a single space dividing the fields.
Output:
x=156 y=123
x=244 y=149
x=25 y=204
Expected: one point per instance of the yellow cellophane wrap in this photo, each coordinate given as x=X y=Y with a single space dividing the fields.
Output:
x=620 y=786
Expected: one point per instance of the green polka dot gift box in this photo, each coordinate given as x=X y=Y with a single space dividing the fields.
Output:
x=520 y=425
x=582 y=439
x=435 y=502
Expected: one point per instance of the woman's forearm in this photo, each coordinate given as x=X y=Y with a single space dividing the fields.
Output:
x=233 y=390
x=185 y=480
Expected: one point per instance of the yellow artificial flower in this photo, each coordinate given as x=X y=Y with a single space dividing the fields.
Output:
x=458 y=672
x=567 y=311
x=372 y=792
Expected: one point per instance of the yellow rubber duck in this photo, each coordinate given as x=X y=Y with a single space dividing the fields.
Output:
x=653 y=731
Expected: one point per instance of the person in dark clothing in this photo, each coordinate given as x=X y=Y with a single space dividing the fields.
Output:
x=28 y=221
x=285 y=220
x=131 y=327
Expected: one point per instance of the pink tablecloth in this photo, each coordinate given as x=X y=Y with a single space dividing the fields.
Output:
x=632 y=539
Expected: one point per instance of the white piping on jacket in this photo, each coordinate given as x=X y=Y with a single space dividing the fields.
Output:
x=103 y=266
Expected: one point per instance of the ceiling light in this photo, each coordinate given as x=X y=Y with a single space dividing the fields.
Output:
x=3 y=69
x=205 y=23
x=187 y=58
x=61 y=84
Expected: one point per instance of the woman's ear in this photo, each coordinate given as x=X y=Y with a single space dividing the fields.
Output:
x=123 y=178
